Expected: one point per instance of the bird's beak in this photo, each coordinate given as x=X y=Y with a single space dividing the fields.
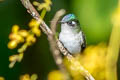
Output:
x=58 y=22
x=61 y=22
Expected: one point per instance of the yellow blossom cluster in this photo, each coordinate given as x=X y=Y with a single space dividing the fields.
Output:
x=17 y=36
x=25 y=77
x=1 y=78
x=22 y=36
x=91 y=59
x=45 y=5
x=28 y=77
x=55 y=75
x=26 y=37
x=34 y=25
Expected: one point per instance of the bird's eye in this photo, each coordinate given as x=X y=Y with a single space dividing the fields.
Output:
x=71 y=23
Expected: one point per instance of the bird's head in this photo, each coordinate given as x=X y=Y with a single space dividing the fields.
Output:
x=70 y=23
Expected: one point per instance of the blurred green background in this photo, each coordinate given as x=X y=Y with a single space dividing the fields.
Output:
x=94 y=17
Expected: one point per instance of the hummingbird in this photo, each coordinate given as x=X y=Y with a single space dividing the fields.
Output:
x=71 y=35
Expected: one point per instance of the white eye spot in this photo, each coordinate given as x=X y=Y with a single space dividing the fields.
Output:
x=71 y=23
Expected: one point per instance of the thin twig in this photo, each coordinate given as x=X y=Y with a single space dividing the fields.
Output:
x=56 y=19
x=54 y=49
x=56 y=53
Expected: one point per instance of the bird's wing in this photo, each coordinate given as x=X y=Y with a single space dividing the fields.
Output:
x=83 y=43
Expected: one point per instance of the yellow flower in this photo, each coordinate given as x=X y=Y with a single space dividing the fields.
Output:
x=28 y=77
x=15 y=28
x=23 y=33
x=1 y=78
x=34 y=23
x=45 y=5
x=30 y=39
x=20 y=56
x=12 y=44
x=16 y=37
x=36 y=31
x=92 y=59
x=34 y=77
x=48 y=2
x=25 y=77
x=55 y=75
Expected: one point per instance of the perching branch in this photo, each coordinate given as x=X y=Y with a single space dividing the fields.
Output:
x=31 y=10
x=50 y=33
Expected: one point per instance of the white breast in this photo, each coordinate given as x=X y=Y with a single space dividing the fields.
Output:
x=72 y=42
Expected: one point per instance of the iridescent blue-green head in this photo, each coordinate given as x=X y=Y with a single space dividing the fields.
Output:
x=68 y=18
x=70 y=23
